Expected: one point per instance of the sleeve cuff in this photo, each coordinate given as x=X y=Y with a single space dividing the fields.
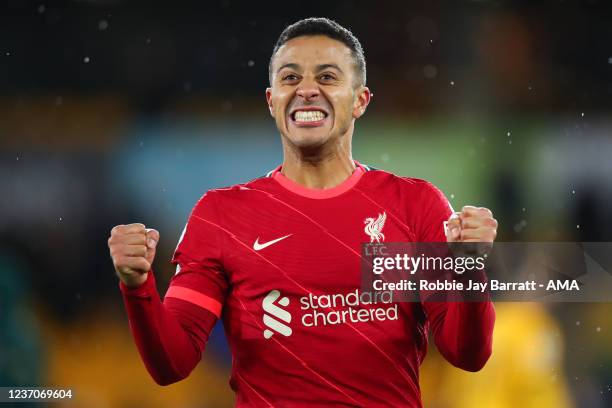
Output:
x=146 y=289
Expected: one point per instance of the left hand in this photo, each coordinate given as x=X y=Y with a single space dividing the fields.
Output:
x=472 y=224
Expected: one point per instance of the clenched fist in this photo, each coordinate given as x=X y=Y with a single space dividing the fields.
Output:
x=472 y=224
x=132 y=248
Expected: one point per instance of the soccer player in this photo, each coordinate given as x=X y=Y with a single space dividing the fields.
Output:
x=278 y=258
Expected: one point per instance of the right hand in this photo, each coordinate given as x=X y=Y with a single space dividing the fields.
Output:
x=132 y=248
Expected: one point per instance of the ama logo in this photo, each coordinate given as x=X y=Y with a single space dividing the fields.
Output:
x=274 y=316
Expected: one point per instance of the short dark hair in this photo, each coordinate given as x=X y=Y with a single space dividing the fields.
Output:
x=329 y=28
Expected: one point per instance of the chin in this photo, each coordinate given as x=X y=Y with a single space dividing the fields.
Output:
x=309 y=140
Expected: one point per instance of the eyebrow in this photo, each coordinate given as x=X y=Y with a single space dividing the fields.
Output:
x=326 y=66
x=320 y=67
x=290 y=65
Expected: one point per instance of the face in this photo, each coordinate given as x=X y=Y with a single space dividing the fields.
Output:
x=314 y=96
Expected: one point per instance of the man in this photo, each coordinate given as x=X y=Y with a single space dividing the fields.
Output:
x=278 y=258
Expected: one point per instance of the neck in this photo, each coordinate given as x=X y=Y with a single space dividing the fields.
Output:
x=322 y=167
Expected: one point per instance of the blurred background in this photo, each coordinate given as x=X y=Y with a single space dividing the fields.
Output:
x=116 y=111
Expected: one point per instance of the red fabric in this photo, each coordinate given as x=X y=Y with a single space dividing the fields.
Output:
x=365 y=354
x=170 y=339
x=196 y=298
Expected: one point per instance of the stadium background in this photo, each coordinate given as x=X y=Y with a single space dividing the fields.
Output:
x=115 y=112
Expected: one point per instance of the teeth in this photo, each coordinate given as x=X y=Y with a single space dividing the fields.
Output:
x=309 y=116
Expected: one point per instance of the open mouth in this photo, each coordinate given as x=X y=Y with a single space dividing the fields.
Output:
x=308 y=116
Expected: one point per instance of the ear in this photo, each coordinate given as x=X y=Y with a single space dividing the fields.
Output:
x=362 y=100
x=269 y=100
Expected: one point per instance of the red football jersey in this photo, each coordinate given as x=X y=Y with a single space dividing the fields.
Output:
x=280 y=264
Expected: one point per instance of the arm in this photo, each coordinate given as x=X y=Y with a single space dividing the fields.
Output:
x=171 y=335
x=463 y=331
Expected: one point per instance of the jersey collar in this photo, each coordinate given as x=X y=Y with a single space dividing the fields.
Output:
x=298 y=189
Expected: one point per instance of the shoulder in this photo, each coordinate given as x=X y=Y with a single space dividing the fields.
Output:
x=221 y=195
x=411 y=185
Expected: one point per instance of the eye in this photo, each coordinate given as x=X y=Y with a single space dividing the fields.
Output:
x=327 y=77
x=289 y=77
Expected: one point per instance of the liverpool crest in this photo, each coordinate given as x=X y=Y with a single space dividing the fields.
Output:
x=374 y=227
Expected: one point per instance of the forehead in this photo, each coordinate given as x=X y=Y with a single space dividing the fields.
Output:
x=313 y=50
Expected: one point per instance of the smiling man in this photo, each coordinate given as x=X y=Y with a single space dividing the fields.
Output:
x=278 y=258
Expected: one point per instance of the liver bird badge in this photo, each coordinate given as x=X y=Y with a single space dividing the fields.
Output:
x=374 y=227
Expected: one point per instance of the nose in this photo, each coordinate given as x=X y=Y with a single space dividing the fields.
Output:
x=308 y=90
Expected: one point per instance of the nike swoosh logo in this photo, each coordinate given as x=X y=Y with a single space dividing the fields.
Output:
x=258 y=247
